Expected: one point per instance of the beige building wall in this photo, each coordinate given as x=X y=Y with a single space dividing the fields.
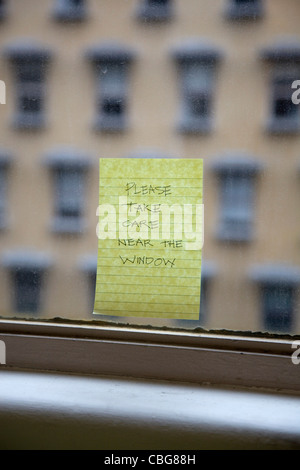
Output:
x=241 y=100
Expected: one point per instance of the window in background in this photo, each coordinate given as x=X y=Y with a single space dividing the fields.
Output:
x=244 y=9
x=70 y=10
x=111 y=62
x=236 y=179
x=154 y=10
x=27 y=270
x=284 y=114
x=197 y=62
x=278 y=285
x=68 y=170
x=30 y=66
x=3 y=9
x=5 y=162
x=284 y=67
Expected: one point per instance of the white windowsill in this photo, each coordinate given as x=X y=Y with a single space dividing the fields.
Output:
x=52 y=411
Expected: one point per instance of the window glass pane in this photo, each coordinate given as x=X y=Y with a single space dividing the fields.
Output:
x=212 y=81
x=237 y=194
x=30 y=104
x=30 y=73
x=112 y=78
x=278 y=308
x=197 y=106
x=27 y=291
x=198 y=77
x=69 y=192
x=158 y=2
x=3 y=177
x=244 y=2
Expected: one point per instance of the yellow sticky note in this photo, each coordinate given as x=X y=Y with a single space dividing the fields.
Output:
x=150 y=238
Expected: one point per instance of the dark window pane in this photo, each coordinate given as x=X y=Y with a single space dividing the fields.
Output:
x=198 y=106
x=28 y=73
x=92 y=286
x=69 y=193
x=278 y=308
x=158 y=2
x=31 y=105
x=112 y=107
x=27 y=286
x=284 y=108
x=70 y=212
x=245 y=2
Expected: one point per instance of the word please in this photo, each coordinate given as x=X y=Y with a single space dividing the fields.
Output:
x=147 y=189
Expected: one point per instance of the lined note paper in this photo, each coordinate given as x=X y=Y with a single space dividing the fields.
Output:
x=150 y=237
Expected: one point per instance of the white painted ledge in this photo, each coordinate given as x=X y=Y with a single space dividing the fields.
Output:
x=53 y=411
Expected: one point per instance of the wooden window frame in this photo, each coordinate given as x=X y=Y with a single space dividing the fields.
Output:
x=217 y=358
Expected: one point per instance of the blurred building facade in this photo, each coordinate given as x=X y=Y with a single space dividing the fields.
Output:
x=117 y=78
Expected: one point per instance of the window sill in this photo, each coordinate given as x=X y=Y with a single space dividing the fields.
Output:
x=237 y=236
x=156 y=14
x=70 y=15
x=195 y=127
x=235 y=13
x=282 y=127
x=29 y=122
x=110 y=125
x=194 y=357
x=53 y=411
x=66 y=226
